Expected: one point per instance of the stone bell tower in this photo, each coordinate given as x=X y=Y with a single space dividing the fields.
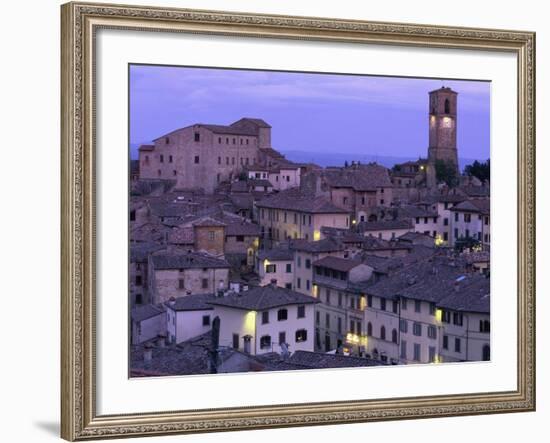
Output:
x=442 y=124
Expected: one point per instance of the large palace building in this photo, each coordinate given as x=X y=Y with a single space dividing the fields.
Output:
x=205 y=155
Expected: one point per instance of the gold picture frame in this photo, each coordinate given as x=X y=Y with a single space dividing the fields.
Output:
x=80 y=21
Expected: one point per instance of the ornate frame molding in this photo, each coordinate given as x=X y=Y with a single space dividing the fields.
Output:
x=79 y=23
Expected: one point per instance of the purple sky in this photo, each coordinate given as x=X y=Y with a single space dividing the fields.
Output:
x=366 y=115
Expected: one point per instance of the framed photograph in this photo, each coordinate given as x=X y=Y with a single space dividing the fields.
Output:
x=277 y=221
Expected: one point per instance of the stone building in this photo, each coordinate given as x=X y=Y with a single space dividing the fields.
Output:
x=291 y=215
x=442 y=133
x=356 y=188
x=471 y=220
x=204 y=155
x=179 y=273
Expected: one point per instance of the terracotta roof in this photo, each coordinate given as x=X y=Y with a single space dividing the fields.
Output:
x=320 y=360
x=193 y=302
x=482 y=206
x=186 y=260
x=145 y=312
x=276 y=254
x=264 y=297
x=337 y=263
x=384 y=225
x=359 y=177
x=301 y=203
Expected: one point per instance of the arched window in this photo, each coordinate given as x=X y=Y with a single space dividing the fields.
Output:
x=383 y=333
x=369 y=329
x=394 y=336
x=265 y=341
x=486 y=353
x=447 y=106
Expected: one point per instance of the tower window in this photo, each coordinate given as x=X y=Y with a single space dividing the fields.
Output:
x=447 y=106
x=197 y=137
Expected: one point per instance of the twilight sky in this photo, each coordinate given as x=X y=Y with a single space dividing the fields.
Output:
x=327 y=113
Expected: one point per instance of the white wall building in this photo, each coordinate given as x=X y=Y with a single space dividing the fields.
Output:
x=259 y=320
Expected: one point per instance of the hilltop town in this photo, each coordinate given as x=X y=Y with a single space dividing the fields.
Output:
x=242 y=260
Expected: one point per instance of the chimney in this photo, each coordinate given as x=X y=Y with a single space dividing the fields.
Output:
x=147 y=353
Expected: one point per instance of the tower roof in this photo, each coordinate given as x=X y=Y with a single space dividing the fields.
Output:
x=443 y=89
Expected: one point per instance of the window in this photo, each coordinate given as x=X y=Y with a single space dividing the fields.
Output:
x=327 y=320
x=206 y=320
x=395 y=307
x=138 y=280
x=417 y=306
x=445 y=222
x=240 y=238
x=417 y=329
x=265 y=341
x=288 y=267
x=307 y=285
x=369 y=329
x=445 y=342
x=446 y=317
x=299 y=283
x=233 y=141
x=308 y=263
x=456 y=233
x=282 y=337
x=204 y=283
x=456 y=216
x=270 y=269
x=417 y=220
x=317 y=317
x=288 y=285
x=181 y=283
x=161 y=158
x=211 y=235
x=383 y=332
x=235 y=341
x=416 y=352
x=301 y=335
x=403 y=325
x=139 y=299
x=352 y=326
x=432 y=331
x=197 y=160
x=432 y=308
x=457 y=318
x=467 y=218
x=484 y=326
x=403 y=353
x=301 y=311
x=167 y=140
x=394 y=335
x=383 y=304
x=486 y=353
x=404 y=304
x=352 y=302
x=197 y=137
x=170 y=159
x=431 y=352
x=369 y=301
x=339 y=325
x=282 y=314
x=265 y=317
x=445 y=236
x=425 y=220
x=339 y=299
x=447 y=106
x=457 y=344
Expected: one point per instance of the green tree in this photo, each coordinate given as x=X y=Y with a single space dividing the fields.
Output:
x=446 y=172
x=478 y=169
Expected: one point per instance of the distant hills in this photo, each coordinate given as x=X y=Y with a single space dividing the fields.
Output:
x=335 y=158
x=339 y=158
